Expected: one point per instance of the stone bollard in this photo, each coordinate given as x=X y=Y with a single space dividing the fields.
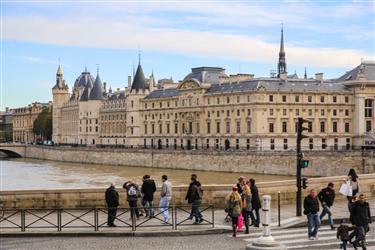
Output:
x=266 y=241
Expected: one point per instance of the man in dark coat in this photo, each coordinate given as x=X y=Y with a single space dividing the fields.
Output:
x=360 y=217
x=327 y=197
x=148 y=189
x=255 y=204
x=311 y=210
x=193 y=196
x=112 y=200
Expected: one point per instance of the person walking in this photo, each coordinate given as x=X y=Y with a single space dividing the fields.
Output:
x=246 y=205
x=112 y=200
x=327 y=197
x=360 y=217
x=189 y=194
x=165 y=198
x=255 y=204
x=353 y=180
x=234 y=208
x=343 y=234
x=132 y=192
x=311 y=210
x=148 y=189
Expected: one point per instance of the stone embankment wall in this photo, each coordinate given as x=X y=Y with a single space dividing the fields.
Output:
x=322 y=163
x=213 y=194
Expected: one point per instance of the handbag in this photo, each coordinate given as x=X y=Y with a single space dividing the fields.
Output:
x=346 y=189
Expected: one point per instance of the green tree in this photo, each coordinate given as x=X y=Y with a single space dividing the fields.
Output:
x=43 y=124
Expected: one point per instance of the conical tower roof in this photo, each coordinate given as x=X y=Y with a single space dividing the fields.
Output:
x=139 y=82
x=97 y=90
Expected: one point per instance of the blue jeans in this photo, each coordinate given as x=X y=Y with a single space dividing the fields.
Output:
x=164 y=203
x=195 y=210
x=313 y=223
x=327 y=210
x=148 y=206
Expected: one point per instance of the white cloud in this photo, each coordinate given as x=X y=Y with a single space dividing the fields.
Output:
x=90 y=32
x=45 y=61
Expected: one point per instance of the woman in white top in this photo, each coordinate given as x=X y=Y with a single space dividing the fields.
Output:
x=353 y=181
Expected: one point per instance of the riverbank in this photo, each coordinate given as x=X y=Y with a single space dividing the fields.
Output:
x=213 y=194
x=322 y=163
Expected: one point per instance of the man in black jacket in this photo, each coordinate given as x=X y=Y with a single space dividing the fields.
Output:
x=360 y=217
x=255 y=204
x=327 y=197
x=148 y=189
x=194 y=197
x=112 y=200
x=311 y=210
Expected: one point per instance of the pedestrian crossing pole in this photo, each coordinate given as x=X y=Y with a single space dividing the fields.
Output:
x=299 y=166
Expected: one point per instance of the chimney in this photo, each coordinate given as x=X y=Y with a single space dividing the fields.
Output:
x=129 y=81
x=319 y=77
x=6 y=109
x=283 y=76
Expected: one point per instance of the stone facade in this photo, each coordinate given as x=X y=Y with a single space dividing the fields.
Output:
x=23 y=120
x=211 y=110
x=213 y=194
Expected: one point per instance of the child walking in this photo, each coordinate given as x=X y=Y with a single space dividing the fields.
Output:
x=343 y=234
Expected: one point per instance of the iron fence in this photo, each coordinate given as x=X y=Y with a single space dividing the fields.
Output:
x=95 y=218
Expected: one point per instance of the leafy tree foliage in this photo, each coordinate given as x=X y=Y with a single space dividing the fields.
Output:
x=43 y=124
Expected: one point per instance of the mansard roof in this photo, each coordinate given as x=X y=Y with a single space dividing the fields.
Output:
x=163 y=93
x=206 y=74
x=368 y=68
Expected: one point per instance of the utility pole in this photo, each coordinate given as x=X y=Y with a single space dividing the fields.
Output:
x=301 y=163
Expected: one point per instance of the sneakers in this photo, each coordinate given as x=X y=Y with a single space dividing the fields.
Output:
x=311 y=238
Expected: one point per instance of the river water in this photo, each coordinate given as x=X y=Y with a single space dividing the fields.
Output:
x=39 y=174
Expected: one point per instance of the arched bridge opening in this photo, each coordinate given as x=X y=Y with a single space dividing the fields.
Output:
x=10 y=153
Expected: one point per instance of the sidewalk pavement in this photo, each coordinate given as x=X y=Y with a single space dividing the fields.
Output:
x=37 y=223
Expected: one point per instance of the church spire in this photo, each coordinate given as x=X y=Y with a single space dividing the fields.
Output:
x=305 y=76
x=282 y=63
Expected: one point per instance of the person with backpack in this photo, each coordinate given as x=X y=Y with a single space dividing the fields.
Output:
x=327 y=197
x=132 y=193
x=234 y=208
x=148 y=189
x=112 y=200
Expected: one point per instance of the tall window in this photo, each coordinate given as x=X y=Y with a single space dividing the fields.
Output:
x=271 y=112
x=237 y=143
x=322 y=98
x=285 y=144
x=334 y=112
x=238 y=127
x=284 y=98
x=270 y=98
x=296 y=98
x=324 y=144
x=208 y=127
x=152 y=129
x=369 y=103
x=368 y=126
x=270 y=128
x=146 y=129
x=167 y=128
x=311 y=143
x=347 y=127
x=334 y=98
x=218 y=127
x=309 y=98
x=322 y=127
x=175 y=128
x=160 y=128
x=228 y=127
x=198 y=130
x=285 y=127
x=309 y=124
x=334 y=127
x=272 y=144
x=248 y=126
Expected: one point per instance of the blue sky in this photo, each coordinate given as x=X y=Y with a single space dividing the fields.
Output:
x=174 y=36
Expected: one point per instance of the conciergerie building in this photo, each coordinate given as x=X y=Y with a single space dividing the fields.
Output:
x=211 y=110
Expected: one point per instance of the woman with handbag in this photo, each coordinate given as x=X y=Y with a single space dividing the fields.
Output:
x=234 y=208
x=353 y=182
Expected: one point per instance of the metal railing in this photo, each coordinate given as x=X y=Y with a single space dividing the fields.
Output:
x=95 y=218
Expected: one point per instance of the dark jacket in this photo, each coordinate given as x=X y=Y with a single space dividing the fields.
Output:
x=327 y=195
x=111 y=197
x=239 y=188
x=148 y=189
x=310 y=205
x=255 y=201
x=195 y=192
x=343 y=232
x=360 y=214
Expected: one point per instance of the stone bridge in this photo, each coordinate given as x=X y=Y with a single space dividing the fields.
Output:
x=13 y=150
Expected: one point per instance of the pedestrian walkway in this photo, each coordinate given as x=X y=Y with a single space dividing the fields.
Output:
x=296 y=238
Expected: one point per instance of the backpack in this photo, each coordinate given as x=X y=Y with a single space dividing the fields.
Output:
x=132 y=191
x=199 y=192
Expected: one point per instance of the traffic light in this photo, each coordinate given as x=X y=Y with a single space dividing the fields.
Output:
x=304 y=182
x=304 y=163
x=300 y=135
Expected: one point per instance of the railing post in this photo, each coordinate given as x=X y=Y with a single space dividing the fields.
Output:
x=213 y=216
x=23 y=220
x=59 y=220
x=278 y=208
x=175 y=216
x=96 y=219
x=132 y=214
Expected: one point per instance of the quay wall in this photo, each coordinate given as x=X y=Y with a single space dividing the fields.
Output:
x=213 y=194
x=322 y=163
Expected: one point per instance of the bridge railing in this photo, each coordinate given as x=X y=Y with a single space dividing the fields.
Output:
x=96 y=218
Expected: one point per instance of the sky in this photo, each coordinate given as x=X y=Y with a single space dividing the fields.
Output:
x=174 y=36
